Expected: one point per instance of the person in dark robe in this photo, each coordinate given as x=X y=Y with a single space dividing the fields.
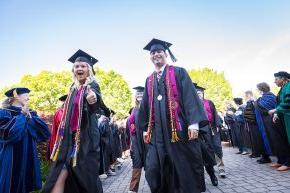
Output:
x=137 y=150
x=215 y=126
x=105 y=131
x=258 y=137
x=242 y=134
x=230 y=121
x=170 y=116
x=76 y=153
x=20 y=131
x=282 y=111
x=55 y=124
x=275 y=131
x=115 y=144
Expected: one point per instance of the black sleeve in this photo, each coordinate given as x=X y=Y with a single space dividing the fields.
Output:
x=217 y=119
x=143 y=115
x=99 y=105
x=191 y=103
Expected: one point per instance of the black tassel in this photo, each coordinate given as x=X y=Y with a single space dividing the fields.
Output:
x=171 y=56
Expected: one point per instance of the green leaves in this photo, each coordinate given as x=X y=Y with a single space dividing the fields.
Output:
x=115 y=91
x=218 y=89
x=46 y=87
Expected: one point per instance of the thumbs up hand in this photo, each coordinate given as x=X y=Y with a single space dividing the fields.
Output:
x=91 y=96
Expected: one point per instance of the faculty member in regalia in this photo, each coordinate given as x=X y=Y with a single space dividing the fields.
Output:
x=20 y=131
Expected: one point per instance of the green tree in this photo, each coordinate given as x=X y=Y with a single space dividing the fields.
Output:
x=46 y=87
x=115 y=91
x=218 y=89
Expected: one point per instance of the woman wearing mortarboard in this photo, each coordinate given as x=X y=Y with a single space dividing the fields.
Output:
x=76 y=152
x=137 y=150
x=20 y=131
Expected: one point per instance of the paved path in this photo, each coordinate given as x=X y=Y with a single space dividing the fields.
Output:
x=243 y=175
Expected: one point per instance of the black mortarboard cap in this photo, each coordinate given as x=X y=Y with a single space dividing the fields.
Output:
x=139 y=88
x=16 y=91
x=199 y=88
x=63 y=98
x=81 y=56
x=238 y=101
x=156 y=44
x=282 y=74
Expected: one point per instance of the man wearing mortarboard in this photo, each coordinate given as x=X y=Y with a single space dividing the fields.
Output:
x=137 y=150
x=170 y=116
x=212 y=136
x=20 y=131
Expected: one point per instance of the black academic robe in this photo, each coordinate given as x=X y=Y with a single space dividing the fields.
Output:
x=83 y=178
x=115 y=142
x=215 y=127
x=138 y=149
x=241 y=131
x=257 y=145
x=230 y=122
x=173 y=167
x=19 y=162
x=105 y=145
x=276 y=134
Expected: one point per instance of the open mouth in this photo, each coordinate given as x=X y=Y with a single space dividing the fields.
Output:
x=80 y=73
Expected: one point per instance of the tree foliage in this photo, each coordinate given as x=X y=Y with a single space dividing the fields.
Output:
x=115 y=91
x=46 y=87
x=218 y=89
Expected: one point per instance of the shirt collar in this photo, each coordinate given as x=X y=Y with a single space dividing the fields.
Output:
x=161 y=69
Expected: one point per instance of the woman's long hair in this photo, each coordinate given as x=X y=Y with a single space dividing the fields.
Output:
x=7 y=102
x=91 y=78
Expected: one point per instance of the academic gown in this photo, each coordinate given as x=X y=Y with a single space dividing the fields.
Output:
x=283 y=108
x=276 y=134
x=173 y=167
x=115 y=144
x=19 y=162
x=138 y=149
x=215 y=126
x=105 y=145
x=83 y=178
x=256 y=137
x=230 y=121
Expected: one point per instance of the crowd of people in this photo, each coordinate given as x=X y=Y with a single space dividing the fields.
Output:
x=260 y=127
x=173 y=132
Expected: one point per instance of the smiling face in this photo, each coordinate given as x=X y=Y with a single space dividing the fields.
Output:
x=81 y=71
x=158 y=58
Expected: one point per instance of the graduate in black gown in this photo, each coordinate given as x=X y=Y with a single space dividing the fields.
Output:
x=106 y=150
x=76 y=154
x=20 y=131
x=137 y=150
x=241 y=132
x=258 y=137
x=215 y=126
x=170 y=116
x=230 y=121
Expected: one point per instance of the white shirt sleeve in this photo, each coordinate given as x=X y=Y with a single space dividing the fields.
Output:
x=193 y=127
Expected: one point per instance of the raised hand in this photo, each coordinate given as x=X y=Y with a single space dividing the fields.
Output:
x=91 y=96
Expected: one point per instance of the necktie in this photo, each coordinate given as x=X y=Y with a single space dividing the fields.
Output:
x=159 y=74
